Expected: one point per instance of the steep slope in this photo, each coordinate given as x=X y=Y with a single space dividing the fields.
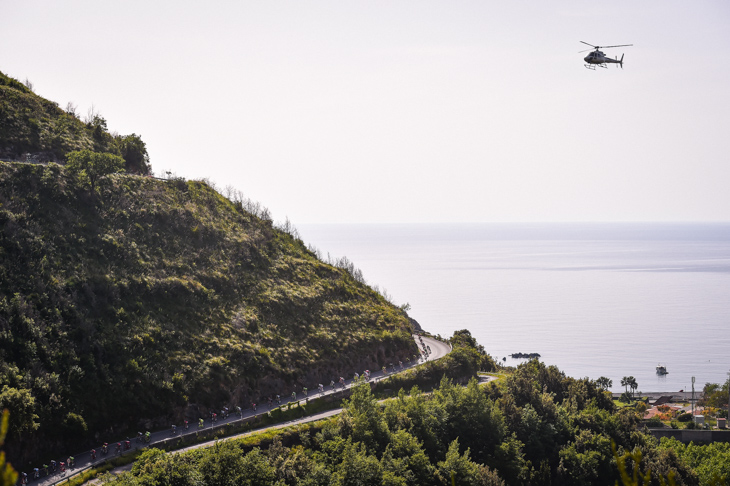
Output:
x=35 y=129
x=152 y=299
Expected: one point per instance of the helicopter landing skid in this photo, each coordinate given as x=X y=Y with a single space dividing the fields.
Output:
x=592 y=67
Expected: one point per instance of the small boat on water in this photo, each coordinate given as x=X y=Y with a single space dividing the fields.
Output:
x=661 y=370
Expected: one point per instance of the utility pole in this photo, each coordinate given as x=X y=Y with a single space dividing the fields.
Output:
x=693 y=399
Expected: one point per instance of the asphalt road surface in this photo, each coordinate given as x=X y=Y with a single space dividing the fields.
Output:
x=432 y=348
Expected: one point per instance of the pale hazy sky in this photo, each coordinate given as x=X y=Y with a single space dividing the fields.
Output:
x=395 y=111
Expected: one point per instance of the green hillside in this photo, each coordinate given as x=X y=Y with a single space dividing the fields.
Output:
x=35 y=129
x=144 y=300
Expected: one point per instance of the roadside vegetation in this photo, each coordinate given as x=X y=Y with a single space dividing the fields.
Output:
x=535 y=426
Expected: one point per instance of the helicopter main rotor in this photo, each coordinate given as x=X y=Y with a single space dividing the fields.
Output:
x=602 y=47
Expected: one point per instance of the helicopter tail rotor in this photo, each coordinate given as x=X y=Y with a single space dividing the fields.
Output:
x=621 y=62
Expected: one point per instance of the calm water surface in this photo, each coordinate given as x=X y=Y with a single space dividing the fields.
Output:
x=593 y=299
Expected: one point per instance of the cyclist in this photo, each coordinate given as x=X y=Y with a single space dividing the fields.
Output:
x=239 y=411
x=385 y=372
x=23 y=478
x=105 y=448
x=226 y=410
x=356 y=376
x=305 y=391
x=270 y=401
x=148 y=436
x=139 y=436
x=278 y=399
x=320 y=388
x=119 y=450
x=200 y=423
x=53 y=465
x=400 y=363
x=173 y=430
x=342 y=382
x=127 y=445
x=293 y=395
x=186 y=425
x=71 y=462
x=36 y=473
x=45 y=469
x=63 y=468
x=93 y=454
x=215 y=417
x=253 y=406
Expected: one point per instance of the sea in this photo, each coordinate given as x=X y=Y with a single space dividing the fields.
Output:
x=608 y=299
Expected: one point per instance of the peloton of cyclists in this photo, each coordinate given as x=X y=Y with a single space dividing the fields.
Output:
x=224 y=412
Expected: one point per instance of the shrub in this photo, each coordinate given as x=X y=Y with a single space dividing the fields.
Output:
x=684 y=417
x=654 y=422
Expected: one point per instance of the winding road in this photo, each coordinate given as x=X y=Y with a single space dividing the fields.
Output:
x=436 y=349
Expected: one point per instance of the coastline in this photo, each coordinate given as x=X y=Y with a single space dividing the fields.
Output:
x=677 y=395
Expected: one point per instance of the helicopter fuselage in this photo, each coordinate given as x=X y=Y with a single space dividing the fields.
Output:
x=598 y=57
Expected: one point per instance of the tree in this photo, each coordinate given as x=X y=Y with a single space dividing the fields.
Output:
x=457 y=468
x=363 y=419
x=633 y=385
x=405 y=455
x=134 y=152
x=90 y=167
x=357 y=467
x=21 y=404
x=72 y=109
x=605 y=383
x=715 y=395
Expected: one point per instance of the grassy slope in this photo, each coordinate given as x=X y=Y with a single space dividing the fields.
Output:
x=32 y=124
x=135 y=302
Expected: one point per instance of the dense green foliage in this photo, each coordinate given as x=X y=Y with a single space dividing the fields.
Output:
x=132 y=301
x=711 y=462
x=535 y=427
x=460 y=365
x=30 y=124
x=716 y=396
x=89 y=168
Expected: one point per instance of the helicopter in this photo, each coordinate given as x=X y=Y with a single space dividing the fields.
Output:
x=598 y=58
